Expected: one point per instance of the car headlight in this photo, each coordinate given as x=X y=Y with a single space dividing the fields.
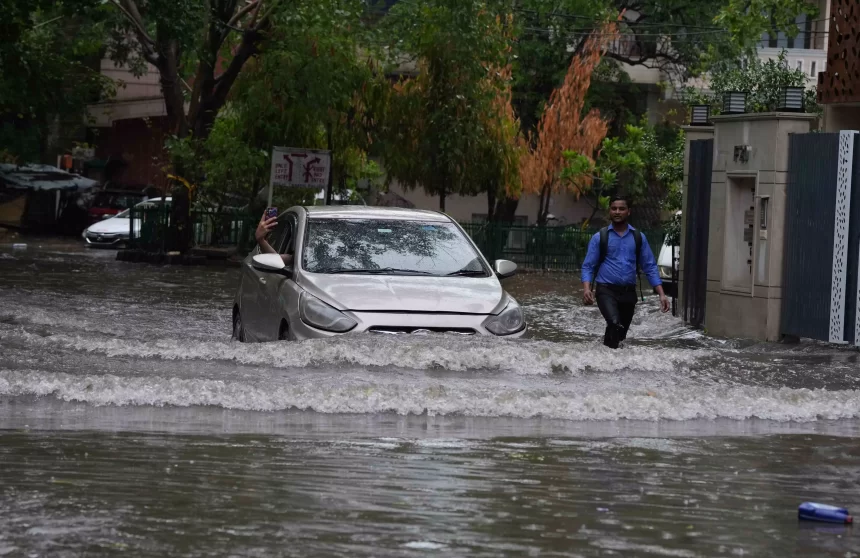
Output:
x=320 y=315
x=509 y=321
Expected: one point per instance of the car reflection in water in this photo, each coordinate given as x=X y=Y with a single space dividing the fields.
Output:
x=363 y=269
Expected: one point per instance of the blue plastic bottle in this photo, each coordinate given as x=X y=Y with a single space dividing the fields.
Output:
x=811 y=511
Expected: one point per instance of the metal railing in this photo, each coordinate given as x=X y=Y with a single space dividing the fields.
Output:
x=149 y=228
x=531 y=247
x=541 y=248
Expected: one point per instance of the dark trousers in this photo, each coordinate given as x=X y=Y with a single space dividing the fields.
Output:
x=617 y=303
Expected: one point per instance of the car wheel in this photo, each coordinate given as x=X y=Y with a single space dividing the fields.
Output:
x=238 y=328
x=284 y=331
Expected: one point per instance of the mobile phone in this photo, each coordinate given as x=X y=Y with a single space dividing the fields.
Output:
x=271 y=212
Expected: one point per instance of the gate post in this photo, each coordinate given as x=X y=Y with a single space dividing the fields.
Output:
x=691 y=134
x=748 y=223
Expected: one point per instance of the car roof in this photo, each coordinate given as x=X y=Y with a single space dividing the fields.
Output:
x=153 y=200
x=368 y=212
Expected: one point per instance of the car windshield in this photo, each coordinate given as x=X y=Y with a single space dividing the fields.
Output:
x=390 y=247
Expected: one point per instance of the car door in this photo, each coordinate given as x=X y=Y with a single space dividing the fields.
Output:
x=253 y=303
x=276 y=288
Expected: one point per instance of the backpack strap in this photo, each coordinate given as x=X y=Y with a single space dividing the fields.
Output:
x=604 y=248
x=637 y=236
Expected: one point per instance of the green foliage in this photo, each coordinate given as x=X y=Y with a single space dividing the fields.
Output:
x=761 y=80
x=664 y=148
x=747 y=20
x=442 y=130
x=49 y=69
x=620 y=167
x=309 y=88
x=672 y=229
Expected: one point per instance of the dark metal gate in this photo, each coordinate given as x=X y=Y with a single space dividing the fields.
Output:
x=809 y=268
x=697 y=215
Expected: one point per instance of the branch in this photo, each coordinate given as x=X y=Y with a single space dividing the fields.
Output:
x=241 y=13
x=133 y=16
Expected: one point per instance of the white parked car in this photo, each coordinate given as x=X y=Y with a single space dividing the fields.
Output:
x=372 y=269
x=664 y=260
x=113 y=232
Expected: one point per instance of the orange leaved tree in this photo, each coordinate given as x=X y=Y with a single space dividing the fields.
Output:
x=564 y=128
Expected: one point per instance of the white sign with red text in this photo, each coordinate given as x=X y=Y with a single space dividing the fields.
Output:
x=300 y=168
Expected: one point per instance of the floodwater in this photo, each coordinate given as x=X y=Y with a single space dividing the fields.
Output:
x=131 y=424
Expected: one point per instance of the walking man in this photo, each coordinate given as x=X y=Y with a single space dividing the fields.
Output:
x=610 y=271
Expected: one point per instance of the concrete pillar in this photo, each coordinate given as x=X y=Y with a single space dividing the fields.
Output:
x=691 y=133
x=747 y=223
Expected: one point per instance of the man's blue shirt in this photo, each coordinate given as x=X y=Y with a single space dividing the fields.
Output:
x=619 y=267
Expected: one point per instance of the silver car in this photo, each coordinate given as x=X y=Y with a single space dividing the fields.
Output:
x=372 y=269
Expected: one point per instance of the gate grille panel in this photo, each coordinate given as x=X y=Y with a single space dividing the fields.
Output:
x=810 y=219
x=696 y=240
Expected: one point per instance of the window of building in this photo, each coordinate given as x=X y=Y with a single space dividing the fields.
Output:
x=799 y=65
x=813 y=68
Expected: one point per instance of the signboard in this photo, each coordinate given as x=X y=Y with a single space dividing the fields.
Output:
x=300 y=168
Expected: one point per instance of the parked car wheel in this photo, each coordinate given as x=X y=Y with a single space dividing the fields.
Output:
x=238 y=328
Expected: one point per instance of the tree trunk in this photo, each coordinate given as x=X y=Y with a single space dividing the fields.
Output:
x=543 y=205
x=491 y=205
x=506 y=209
x=442 y=196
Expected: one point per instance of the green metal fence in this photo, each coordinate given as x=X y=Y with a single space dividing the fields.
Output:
x=541 y=248
x=150 y=225
x=534 y=248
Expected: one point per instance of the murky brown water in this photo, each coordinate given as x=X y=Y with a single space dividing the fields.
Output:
x=129 y=423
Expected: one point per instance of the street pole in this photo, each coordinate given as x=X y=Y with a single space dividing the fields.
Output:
x=330 y=165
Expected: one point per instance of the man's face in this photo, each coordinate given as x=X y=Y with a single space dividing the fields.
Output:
x=618 y=211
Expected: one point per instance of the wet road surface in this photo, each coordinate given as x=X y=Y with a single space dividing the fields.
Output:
x=130 y=423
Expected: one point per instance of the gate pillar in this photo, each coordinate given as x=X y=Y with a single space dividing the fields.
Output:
x=747 y=222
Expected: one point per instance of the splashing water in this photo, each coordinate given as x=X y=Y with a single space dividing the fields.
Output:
x=159 y=336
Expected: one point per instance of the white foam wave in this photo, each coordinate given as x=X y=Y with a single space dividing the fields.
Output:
x=465 y=397
x=430 y=352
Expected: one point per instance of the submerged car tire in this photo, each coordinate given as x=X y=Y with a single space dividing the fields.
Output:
x=238 y=328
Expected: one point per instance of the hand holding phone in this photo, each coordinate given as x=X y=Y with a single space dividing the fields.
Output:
x=271 y=212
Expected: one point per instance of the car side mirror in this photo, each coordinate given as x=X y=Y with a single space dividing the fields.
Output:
x=505 y=269
x=272 y=263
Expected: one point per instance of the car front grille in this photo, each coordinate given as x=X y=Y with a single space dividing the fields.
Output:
x=396 y=330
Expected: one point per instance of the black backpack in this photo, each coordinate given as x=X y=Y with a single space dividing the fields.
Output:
x=604 y=248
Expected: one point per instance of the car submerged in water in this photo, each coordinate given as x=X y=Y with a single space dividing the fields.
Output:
x=113 y=232
x=380 y=270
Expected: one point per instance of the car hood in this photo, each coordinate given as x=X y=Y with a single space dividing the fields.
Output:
x=113 y=225
x=369 y=293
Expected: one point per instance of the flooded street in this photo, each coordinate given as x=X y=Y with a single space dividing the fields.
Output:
x=131 y=423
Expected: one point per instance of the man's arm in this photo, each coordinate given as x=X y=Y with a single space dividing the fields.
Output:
x=588 y=266
x=652 y=272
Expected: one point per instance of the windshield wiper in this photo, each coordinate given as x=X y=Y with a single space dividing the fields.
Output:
x=378 y=271
x=467 y=273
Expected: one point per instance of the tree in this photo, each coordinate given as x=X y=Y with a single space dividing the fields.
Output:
x=443 y=127
x=619 y=168
x=310 y=88
x=563 y=128
x=49 y=72
x=200 y=48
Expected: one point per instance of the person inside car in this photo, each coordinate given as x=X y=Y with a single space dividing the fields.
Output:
x=263 y=229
